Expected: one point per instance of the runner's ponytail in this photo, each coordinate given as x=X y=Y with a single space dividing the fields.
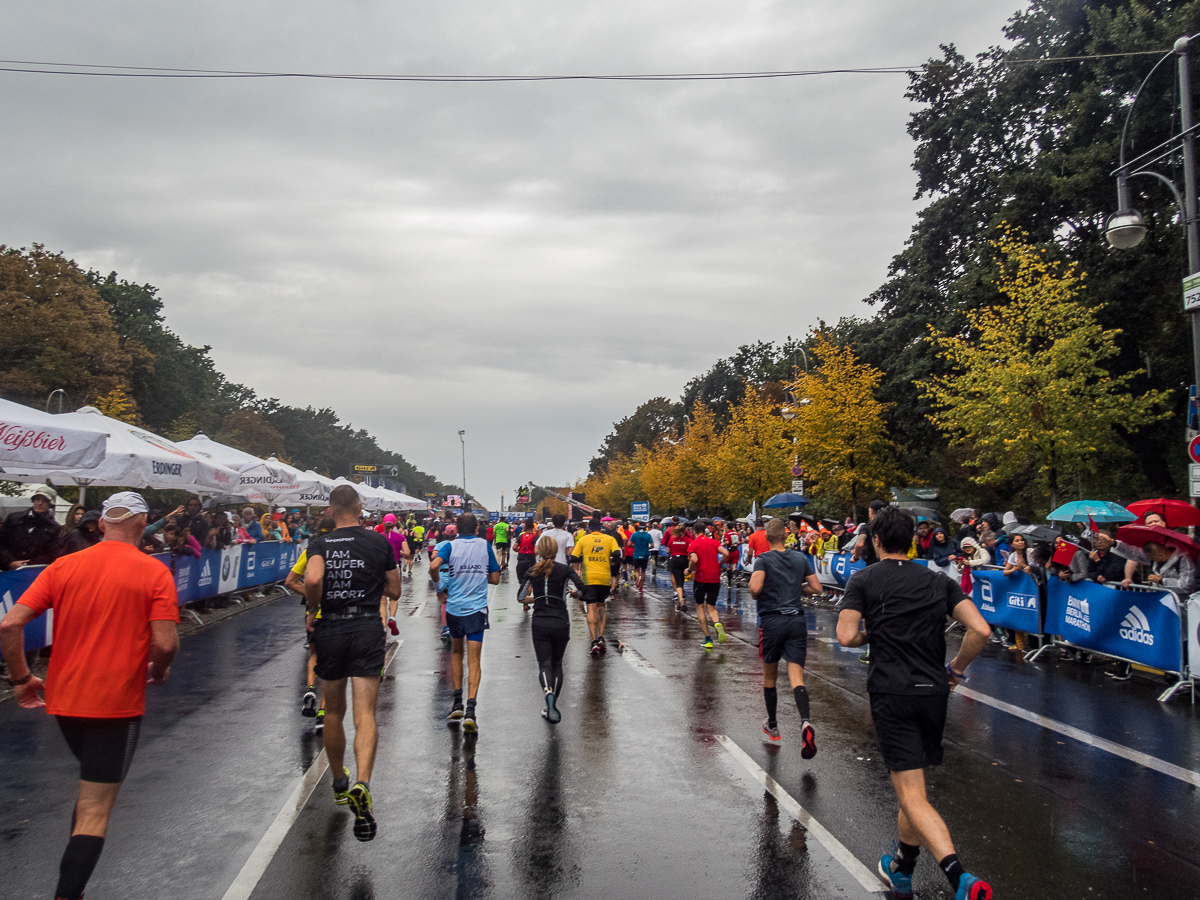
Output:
x=547 y=551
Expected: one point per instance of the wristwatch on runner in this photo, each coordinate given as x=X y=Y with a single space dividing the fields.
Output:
x=17 y=682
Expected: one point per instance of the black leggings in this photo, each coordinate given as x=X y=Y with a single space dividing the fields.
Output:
x=679 y=566
x=525 y=562
x=550 y=643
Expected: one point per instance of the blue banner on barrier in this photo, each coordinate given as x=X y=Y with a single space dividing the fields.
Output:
x=842 y=568
x=196 y=578
x=1006 y=601
x=1142 y=626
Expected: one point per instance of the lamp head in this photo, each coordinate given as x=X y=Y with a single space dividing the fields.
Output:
x=1125 y=229
x=788 y=413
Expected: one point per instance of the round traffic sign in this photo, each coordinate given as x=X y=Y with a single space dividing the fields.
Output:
x=1194 y=449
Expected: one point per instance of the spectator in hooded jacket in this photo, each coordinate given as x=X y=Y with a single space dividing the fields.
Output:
x=30 y=538
x=942 y=548
x=88 y=534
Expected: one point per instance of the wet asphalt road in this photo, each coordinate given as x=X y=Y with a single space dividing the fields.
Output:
x=633 y=795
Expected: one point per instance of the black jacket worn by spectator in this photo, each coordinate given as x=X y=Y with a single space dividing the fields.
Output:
x=80 y=538
x=1110 y=567
x=26 y=535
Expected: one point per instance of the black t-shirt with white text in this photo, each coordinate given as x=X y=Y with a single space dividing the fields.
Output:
x=357 y=561
x=904 y=605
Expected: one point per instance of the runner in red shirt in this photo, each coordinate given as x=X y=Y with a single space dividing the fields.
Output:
x=757 y=542
x=676 y=541
x=115 y=611
x=733 y=547
x=705 y=555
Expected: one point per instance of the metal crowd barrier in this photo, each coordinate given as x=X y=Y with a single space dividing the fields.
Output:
x=237 y=568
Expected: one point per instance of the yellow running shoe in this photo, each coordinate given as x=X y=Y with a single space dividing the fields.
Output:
x=722 y=637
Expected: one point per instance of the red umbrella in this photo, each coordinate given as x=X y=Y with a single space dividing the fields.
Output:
x=1177 y=513
x=1141 y=535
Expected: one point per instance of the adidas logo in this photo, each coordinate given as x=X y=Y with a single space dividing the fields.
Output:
x=1136 y=627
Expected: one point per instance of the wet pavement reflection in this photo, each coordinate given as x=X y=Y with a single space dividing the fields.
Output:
x=631 y=796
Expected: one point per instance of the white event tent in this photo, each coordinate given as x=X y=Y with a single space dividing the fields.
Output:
x=306 y=488
x=135 y=458
x=30 y=437
x=398 y=502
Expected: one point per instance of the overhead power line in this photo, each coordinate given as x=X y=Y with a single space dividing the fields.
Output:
x=35 y=67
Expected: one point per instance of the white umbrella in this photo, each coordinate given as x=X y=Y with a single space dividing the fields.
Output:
x=372 y=500
x=135 y=458
x=398 y=502
x=259 y=480
x=30 y=437
x=296 y=487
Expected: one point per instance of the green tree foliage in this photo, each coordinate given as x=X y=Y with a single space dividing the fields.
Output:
x=57 y=332
x=1033 y=144
x=650 y=421
x=105 y=341
x=1027 y=389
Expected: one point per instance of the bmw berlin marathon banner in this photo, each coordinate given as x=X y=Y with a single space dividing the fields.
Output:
x=1141 y=626
x=1006 y=601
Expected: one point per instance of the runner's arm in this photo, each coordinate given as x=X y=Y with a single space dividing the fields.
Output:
x=391 y=584
x=849 y=634
x=976 y=638
x=435 y=565
x=164 y=644
x=757 y=580
x=812 y=585
x=12 y=639
x=314 y=579
x=294 y=583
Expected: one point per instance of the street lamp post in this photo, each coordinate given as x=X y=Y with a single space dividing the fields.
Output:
x=1125 y=228
x=463 y=440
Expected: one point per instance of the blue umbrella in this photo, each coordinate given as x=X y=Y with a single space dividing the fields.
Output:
x=780 y=501
x=1096 y=510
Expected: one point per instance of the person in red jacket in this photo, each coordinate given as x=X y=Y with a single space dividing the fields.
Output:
x=677 y=543
x=526 y=557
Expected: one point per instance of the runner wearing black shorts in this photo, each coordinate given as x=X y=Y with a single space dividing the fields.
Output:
x=526 y=556
x=351 y=573
x=904 y=607
x=115 y=615
x=593 y=556
x=778 y=582
x=676 y=541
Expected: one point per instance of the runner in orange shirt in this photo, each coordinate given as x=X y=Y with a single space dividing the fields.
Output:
x=115 y=612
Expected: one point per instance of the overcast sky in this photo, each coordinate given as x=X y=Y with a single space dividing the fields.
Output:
x=528 y=262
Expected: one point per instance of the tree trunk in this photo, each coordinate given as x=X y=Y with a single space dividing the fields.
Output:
x=1052 y=478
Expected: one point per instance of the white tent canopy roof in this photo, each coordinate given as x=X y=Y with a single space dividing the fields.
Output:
x=135 y=458
x=30 y=437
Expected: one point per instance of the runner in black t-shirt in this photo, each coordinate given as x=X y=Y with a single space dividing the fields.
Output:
x=904 y=606
x=778 y=582
x=864 y=548
x=350 y=571
x=551 y=626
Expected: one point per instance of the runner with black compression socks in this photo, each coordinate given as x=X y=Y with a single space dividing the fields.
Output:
x=115 y=612
x=904 y=607
x=551 y=625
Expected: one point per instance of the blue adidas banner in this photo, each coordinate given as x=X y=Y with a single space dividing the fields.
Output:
x=1010 y=601
x=1142 y=626
x=196 y=578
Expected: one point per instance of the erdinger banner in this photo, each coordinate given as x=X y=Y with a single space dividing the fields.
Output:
x=1141 y=626
x=1007 y=601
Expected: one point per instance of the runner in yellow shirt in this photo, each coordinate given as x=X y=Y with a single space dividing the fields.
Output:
x=593 y=556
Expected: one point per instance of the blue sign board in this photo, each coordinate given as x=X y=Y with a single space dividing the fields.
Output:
x=494 y=516
x=842 y=568
x=1010 y=601
x=1142 y=626
x=640 y=512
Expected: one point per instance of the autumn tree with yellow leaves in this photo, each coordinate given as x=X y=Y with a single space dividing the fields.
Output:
x=754 y=458
x=842 y=436
x=1027 y=388
x=681 y=474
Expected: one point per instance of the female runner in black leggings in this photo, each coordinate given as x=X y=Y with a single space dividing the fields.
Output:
x=550 y=626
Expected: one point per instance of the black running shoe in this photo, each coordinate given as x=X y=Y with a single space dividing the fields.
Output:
x=603 y=645
x=595 y=651
x=364 y=821
x=810 y=742
x=308 y=704
x=456 y=714
x=470 y=722
x=551 y=713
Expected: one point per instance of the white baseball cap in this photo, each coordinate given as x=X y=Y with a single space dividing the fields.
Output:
x=128 y=500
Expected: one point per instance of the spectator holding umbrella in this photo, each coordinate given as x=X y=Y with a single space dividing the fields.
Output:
x=1104 y=566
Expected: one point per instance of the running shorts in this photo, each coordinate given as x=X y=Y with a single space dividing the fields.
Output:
x=679 y=566
x=704 y=592
x=614 y=566
x=471 y=627
x=104 y=747
x=596 y=593
x=350 y=654
x=909 y=728
x=783 y=637
x=501 y=545
x=640 y=563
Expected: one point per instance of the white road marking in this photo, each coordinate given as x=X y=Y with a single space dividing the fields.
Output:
x=260 y=858
x=1142 y=759
x=420 y=606
x=851 y=863
x=639 y=662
